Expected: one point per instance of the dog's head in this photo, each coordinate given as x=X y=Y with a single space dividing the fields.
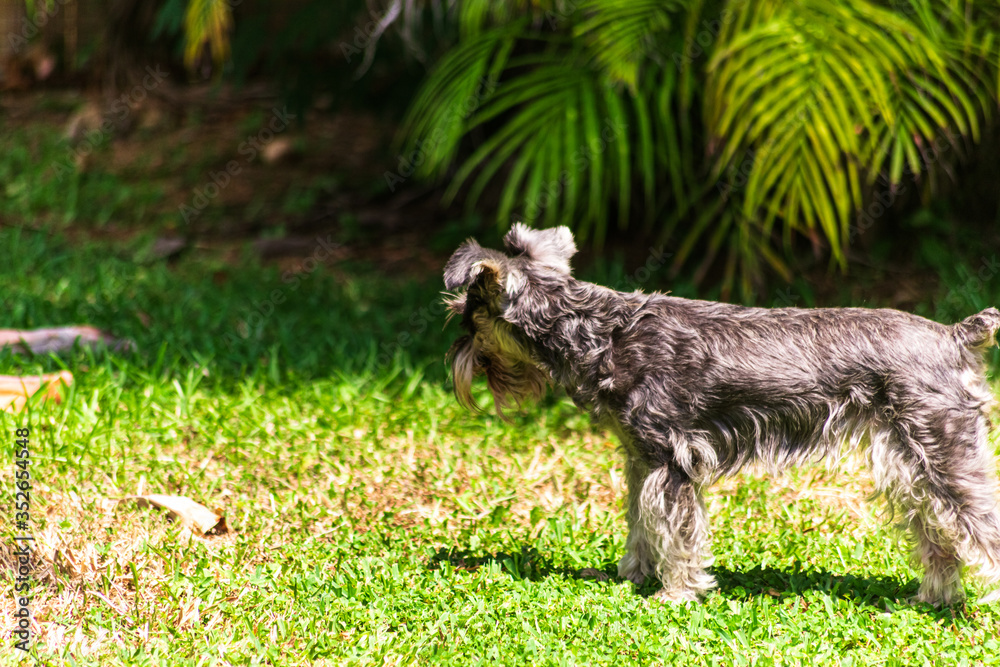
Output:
x=497 y=295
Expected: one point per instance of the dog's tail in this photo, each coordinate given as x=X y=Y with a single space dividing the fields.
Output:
x=979 y=330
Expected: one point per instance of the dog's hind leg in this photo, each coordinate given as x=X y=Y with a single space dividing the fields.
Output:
x=935 y=552
x=939 y=472
x=971 y=489
x=670 y=525
x=957 y=525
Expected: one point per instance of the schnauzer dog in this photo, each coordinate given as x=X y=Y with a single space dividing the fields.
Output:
x=696 y=390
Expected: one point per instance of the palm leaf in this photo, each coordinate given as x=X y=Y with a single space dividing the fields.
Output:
x=842 y=72
x=619 y=34
x=439 y=116
x=207 y=24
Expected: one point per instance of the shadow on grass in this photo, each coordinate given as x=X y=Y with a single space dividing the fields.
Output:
x=882 y=593
x=527 y=564
x=887 y=594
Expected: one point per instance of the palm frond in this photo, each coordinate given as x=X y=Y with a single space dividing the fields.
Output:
x=207 y=25
x=440 y=115
x=559 y=138
x=568 y=133
x=477 y=16
x=621 y=34
x=813 y=91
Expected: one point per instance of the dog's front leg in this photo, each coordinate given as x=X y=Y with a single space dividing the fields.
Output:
x=638 y=561
x=668 y=533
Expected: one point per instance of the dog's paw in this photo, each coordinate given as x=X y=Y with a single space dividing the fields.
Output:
x=631 y=568
x=675 y=596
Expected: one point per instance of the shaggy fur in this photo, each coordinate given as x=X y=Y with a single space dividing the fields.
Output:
x=697 y=390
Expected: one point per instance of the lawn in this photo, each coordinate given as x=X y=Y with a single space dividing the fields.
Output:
x=371 y=520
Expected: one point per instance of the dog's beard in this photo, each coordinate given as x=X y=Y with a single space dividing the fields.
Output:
x=510 y=380
x=462 y=356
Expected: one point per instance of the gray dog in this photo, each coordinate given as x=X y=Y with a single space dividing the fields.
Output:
x=697 y=390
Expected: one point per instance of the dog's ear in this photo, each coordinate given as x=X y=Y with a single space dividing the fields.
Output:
x=550 y=247
x=472 y=262
x=468 y=262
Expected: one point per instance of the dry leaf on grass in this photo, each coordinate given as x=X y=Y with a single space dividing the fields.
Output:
x=56 y=339
x=195 y=516
x=15 y=390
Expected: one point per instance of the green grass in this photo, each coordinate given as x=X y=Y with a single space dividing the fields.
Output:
x=43 y=184
x=375 y=522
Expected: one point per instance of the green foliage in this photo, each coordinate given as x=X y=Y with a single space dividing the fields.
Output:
x=742 y=122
